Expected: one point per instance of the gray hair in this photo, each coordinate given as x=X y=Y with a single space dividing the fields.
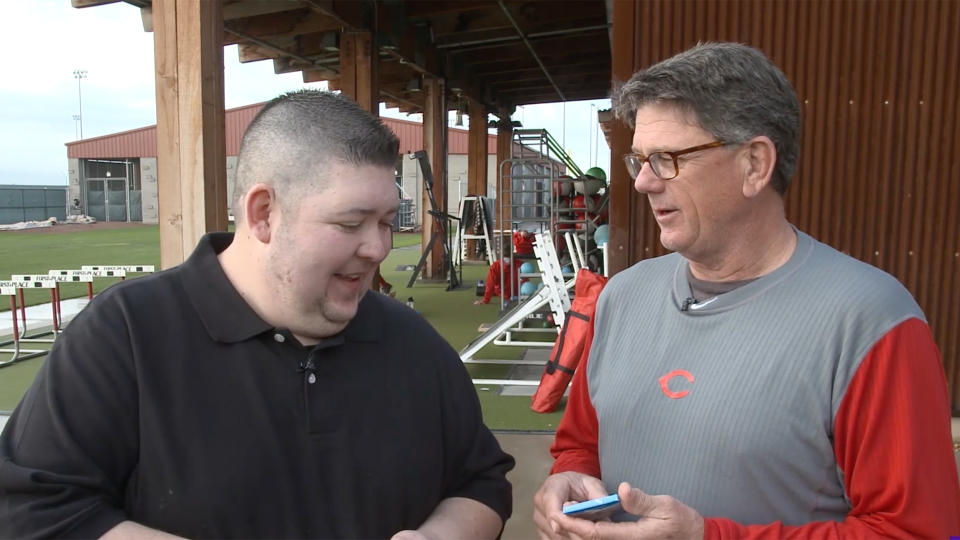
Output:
x=297 y=136
x=733 y=91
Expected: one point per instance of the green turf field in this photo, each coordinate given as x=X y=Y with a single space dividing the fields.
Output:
x=452 y=313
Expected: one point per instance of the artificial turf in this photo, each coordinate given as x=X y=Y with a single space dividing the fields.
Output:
x=452 y=313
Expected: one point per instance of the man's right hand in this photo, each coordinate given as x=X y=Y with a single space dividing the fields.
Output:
x=558 y=489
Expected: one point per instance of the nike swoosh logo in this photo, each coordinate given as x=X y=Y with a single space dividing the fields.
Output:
x=703 y=304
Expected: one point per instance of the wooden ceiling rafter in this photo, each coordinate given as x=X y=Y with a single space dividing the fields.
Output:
x=500 y=53
x=249 y=55
x=251 y=8
x=284 y=26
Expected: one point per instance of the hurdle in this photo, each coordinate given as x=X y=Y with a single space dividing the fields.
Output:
x=121 y=269
x=10 y=288
x=19 y=282
x=73 y=276
x=34 y=281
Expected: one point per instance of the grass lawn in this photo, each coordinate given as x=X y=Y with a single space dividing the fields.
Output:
x=452 y=313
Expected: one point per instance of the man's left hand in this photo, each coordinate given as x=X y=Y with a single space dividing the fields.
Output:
x=661 y=517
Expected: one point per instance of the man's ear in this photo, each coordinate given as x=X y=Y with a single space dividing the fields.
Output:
x=759 y=159
x=259 y=205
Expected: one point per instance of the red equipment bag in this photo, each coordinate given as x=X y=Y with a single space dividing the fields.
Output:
x=572 y=344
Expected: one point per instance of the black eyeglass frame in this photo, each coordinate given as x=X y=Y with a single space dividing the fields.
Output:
x=637 y=160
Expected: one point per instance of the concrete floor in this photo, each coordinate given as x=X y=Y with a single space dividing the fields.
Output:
x=532 y=452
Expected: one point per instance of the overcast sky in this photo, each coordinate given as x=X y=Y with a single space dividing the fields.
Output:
x=46 y=40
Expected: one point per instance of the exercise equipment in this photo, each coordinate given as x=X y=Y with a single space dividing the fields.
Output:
x=441 y=224
x=527 y=288
x=596 y=172
x=473 y=212
x=602 y=235
x=553 y=293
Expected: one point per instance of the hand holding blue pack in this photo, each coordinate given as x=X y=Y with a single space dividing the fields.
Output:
x=594 y=509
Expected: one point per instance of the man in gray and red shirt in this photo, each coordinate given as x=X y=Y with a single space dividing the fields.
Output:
x=755 y=383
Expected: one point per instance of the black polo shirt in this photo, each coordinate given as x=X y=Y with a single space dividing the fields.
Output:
x=169 y=402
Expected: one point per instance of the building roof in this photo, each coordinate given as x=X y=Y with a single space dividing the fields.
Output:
x=501 y=53
x=142 y=142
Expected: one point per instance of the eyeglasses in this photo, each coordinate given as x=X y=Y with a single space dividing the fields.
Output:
x=664 y=164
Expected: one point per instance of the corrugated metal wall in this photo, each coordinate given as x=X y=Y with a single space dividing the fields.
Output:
x=879 y=176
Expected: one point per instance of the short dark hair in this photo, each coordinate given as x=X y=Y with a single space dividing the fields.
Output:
x=297 y=135
x=733 y=91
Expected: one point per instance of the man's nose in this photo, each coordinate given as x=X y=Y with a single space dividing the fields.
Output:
x=646 y=181
x=375 y=244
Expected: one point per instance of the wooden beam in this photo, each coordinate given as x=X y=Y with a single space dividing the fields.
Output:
x=432 y=8
x=476 y=160
x=435 y=143
x=349 y=13
x=317 y=75
x=412 y=45
x=291 y=65
x=191 y=148
x=278 y=27
x=252 y=8
x=358 y=80
x=504 y=152
x=248 y=52
x=623 y=199
x=358 y=69
x=90 y=3
x=397 y=100
x=477 y=149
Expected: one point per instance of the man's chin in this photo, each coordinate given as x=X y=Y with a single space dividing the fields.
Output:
x=341 y=312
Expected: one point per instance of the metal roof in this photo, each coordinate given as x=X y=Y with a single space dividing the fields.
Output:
x=142 y=142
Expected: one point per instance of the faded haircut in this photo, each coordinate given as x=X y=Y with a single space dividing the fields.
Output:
x=733 y=91
x=296 y=137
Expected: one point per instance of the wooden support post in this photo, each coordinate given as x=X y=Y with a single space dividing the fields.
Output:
x=622 y=249
x=476 y=162
x=504 y=145
x=359 y=80
x=358 y=70
x=191 y=146
x=435 y=143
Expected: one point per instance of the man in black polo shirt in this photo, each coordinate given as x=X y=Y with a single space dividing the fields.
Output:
x=260 y=389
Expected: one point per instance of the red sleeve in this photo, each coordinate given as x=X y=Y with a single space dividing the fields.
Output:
x=575 y=445
x=493 y=277
x=892 y=440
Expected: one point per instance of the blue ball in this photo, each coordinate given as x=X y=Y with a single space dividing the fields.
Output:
x=528 y=268
x=528 y=288
x=601 y=235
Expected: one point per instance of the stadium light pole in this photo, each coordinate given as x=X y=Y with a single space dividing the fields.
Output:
x=79 y=75
x=76 y=122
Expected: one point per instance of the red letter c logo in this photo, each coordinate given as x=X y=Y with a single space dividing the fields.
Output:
x=665 y=383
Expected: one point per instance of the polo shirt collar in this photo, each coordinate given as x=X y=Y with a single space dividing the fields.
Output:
x=229 y=319
x=225 y=314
